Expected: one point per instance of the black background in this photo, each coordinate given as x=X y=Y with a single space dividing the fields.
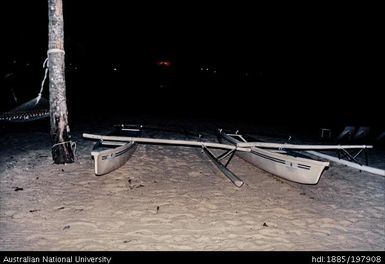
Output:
x=297 y=64
x=248 y=257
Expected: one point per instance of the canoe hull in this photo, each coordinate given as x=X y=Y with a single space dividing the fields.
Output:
x=294 y=169
x=108 y=160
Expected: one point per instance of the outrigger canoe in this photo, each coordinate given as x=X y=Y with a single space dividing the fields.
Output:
x=112 y=151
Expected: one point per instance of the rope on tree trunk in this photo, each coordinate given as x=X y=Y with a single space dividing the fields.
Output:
x=46 y=66
x=73 y=145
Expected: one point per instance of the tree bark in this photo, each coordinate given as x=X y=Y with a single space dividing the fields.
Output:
x=62 y=151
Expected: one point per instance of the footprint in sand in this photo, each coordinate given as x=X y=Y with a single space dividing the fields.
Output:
x=194 y=174
x=79 y=225
x=233 y=223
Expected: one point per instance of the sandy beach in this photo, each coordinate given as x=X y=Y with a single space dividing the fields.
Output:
x=174 y=199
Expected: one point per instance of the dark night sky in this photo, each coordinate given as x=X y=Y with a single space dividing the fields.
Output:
x=290 y=60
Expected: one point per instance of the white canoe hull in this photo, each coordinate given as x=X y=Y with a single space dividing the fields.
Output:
x=111 y=159
x=296 y=169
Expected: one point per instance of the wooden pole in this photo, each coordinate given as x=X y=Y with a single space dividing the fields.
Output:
x=62 y=151
x=349 y=163
x=228 y=173
x=165 y=142
x=234 y=141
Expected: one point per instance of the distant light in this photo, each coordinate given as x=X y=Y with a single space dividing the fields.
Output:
x=115 y=69
x=208 y=69
x=164 y=63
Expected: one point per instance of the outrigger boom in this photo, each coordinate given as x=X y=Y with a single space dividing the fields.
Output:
x=167 y=142
x=302 y=147
x=246 y=144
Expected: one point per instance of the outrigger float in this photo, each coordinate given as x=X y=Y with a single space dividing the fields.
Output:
x=113 y=151
x=111 y=155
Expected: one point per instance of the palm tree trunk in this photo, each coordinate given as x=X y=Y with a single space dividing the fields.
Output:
x=62 y=151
